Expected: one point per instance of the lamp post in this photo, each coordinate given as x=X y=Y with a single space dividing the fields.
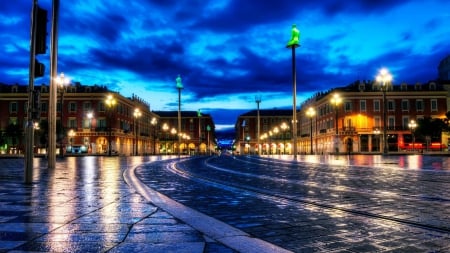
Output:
x=208 y=129
x=384 y=77
x=336 y=100
x=173 y=131
x=293 y=43
x=154 y=121
x=283 y=127
x=258 y=128
x=71 y=135
x=247 y=139
x=412 y=125
x=377 y=134
x=165 y=128
x=90 y=115
x=310 y=113
x=276 y=131
x=62 y=82
x=110 y=103
x=199 y=115
x=137 y=114
x=179 y=88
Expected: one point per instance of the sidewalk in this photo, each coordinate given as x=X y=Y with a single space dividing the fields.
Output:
x=84 y=205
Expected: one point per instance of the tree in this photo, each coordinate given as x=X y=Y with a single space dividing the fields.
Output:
x=433 y=128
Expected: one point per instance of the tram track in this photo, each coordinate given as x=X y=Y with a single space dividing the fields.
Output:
x=177 y=168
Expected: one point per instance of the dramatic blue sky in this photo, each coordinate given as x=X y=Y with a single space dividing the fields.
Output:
x=228 y=51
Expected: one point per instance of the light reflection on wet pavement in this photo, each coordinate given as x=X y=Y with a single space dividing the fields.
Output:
x=382 y=204
x=84 y=205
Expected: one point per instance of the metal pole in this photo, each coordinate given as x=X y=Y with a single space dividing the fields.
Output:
x=311 y=137
x=179 y=122
x=53 y=87
x=337 y=130
x=258 y=101
x=385 y=147
x=61 y=127
x=294 y=103
x=29 y=128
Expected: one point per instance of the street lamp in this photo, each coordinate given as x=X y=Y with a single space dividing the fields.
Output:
x=90 y=115
x=62 y=82
x=412 y=125
x=384 y=77
x=276 y=131
x=173 y=131
x=208 y=129
x=258 y=101
x=310 y=113
x=283 y=127
x=377 y=134
x=336 y=100
x=248 y=144
x=154 y=121
x=293 y=43
x=137 y=114
x=179 y=88
x=110 y=103
x=165 y=128
x=71 y=135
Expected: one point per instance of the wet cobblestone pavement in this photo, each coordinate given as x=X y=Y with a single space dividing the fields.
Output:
x=380 y=205
x=84 y=205
x=315 y=204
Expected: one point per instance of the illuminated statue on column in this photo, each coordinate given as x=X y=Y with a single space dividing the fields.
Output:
x=295 y=38
x=179 y=84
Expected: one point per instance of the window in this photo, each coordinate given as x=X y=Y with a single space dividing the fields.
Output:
x=391 y=122
x=348 y=106
x=362 y=105
x=101 y=107
x=405 y=105
x=101 y=123
x=58 y=107
x=72 y=107
x=43 y=107
x=391 y=105
x=13 y=107
x=86 y=106
x=434 y=105
x=405 y=122
x=72 y=123
x=376 y=105
x=419 y=105
x=377 y=121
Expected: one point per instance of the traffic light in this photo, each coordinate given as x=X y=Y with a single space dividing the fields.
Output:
x=41 y=31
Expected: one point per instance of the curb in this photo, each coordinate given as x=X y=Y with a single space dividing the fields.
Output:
x=211 y=227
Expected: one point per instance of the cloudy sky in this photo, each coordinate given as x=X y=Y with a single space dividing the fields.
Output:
x=229 y=51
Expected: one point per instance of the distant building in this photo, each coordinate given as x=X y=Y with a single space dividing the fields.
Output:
x=197 y=132
x=275 y=135
x=89 y=126
x=359 y=125
x=360 y=117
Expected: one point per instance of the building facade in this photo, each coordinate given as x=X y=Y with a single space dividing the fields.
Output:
x=275 y=132
x=94 y=120
x=197 y=133
x=349 y=119
x=356 y=122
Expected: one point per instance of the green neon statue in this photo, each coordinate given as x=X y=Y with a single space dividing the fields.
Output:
x=295 y=39
x=179 y=84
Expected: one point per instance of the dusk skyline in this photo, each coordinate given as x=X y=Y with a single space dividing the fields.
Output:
x=228 y=52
